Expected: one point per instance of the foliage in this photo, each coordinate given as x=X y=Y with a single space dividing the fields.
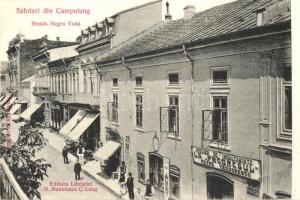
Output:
x=28 y=170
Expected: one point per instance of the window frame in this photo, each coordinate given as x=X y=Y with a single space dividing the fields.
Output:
x=139 y=111
x=112 y=82
x=175 y=172
x=137 y=85
x=221 y=144
x=115 y=108
x=141 y=160
x=285 y=132
x=219 y=84
x=173 y=83
x=176 y=114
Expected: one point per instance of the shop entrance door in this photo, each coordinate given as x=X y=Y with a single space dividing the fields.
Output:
x=156 y=171
x=219 y=187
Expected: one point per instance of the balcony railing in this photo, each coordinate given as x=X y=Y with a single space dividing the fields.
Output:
x=9 y=187
x=40 y=90
x=84 y=98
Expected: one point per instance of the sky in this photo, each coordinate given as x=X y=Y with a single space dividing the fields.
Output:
x=12 y=23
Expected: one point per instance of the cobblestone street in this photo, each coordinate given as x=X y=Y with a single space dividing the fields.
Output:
x=62 y=174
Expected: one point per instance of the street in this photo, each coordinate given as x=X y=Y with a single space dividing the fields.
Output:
x=61 y=177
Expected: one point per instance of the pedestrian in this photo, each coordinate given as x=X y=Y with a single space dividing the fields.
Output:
x=139 y=195
x=122 y=178
x=77 y=170
x=149 y=190
x=130 y=186
x=80 y=153
x=122 y=172
x=65 y=154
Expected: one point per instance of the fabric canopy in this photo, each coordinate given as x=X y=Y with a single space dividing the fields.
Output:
x=82 y=126
x=10 y=103
x=14 y=109
x=107 y=150
x=29 y=111
x=5 y=99
x=66 y=129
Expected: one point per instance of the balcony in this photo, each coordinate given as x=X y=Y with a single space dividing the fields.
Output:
x=41 y=90
x=83 y=98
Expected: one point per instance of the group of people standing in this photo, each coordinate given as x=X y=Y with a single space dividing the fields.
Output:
x=79 y=161
x=129 y=183
x=125 y=184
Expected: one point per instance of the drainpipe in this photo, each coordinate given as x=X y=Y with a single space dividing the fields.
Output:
x=126 y=66
x=192 y=114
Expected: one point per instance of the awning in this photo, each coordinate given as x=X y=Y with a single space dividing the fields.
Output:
x=14 y=109
x=114 y=133
x=82 y=126
x=5 y=99
x=10 y=103
x=107 y=150
x=29 y=111
x=66 y=129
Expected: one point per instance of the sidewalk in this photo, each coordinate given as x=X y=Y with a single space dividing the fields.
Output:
x=91 y=168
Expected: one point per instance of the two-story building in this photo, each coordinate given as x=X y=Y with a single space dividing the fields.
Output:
x=203 y=104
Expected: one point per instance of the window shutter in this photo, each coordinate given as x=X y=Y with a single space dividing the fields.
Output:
x=207 y=125
x=109 y=111
x=164 y=119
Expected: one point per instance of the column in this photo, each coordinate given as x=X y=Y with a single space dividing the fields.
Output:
x=71 y=83
x=88 y=81
x=50 y=86
x=78 y=81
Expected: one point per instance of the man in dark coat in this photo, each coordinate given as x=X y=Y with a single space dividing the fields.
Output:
x=77 y=170
x=65 y=154
x=130 y=187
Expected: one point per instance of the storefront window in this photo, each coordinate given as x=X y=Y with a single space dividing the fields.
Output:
x=141 y=167
x=174 y=182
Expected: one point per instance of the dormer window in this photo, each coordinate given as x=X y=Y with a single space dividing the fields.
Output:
x=259 y=19
x=260 y=16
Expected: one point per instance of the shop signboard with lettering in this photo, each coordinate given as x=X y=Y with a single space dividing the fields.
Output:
x=166 y=166
x=241 y=166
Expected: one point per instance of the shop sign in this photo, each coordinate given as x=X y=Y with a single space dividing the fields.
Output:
x=166 y=166
x=241 y=166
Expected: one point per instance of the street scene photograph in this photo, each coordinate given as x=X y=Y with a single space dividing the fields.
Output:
x=146 y=100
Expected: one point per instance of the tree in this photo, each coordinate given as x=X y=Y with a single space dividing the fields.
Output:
x=28 y=170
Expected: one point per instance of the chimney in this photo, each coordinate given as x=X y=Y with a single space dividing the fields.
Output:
x=189 y=11
x=57 y=38
x=46 y=37
x=22 y=37
x=168 y=16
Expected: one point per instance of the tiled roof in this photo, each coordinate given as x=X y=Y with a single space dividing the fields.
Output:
x=34 y=46
x=228 y=18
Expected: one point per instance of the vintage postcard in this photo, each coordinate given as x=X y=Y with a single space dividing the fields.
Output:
x=147 y=99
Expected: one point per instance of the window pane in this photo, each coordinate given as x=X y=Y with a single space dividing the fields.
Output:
x=220 y=119
x=138 y=81
x=216 y=103
x=139 y=110
x=223 y=103
x=288 y=107
x=173 y=78
x=287 y=74
x=115 y=82
x=220 y=76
